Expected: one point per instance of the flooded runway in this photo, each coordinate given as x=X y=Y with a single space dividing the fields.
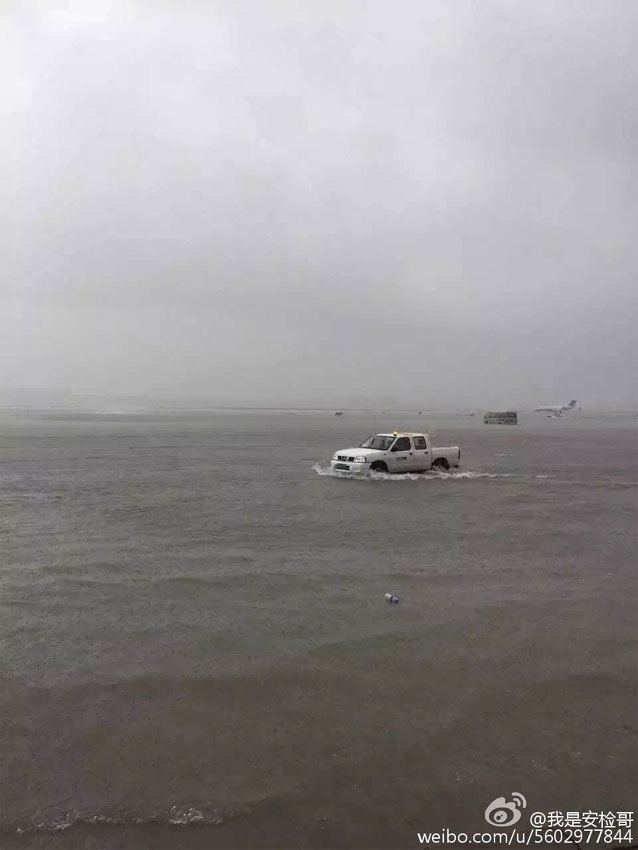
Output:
x=196 y=649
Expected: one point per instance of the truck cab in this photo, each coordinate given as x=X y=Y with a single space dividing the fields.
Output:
x=400 y=451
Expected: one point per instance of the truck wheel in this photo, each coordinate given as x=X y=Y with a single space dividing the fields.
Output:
x=378 y=466
x=440 y=463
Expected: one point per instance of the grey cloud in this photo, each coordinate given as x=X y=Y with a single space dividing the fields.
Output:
x=257 y=201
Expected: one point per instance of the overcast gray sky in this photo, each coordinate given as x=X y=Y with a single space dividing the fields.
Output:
x=324 y=202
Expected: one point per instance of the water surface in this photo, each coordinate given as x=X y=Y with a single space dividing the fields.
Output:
x=196 y=651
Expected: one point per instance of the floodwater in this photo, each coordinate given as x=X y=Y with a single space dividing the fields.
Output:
x=196 y=649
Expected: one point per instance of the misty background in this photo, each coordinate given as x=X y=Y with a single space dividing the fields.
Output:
x=337 y=203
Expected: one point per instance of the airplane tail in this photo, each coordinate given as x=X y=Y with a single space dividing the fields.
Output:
x=572 y=403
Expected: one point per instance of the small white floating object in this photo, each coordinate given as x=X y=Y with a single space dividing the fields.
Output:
x=390 y=598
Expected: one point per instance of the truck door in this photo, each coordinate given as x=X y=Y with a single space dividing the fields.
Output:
x=401 y=455
x=422 y=456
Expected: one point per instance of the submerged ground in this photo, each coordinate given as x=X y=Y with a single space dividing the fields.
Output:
x=196 y=650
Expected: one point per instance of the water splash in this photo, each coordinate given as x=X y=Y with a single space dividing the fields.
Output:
x=178 y=815
x=431 y=475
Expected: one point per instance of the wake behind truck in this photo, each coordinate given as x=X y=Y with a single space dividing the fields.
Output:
x=400 y=451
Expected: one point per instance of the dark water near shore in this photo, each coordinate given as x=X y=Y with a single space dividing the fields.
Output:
x=196 y=651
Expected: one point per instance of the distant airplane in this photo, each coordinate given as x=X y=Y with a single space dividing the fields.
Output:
x=557 y=409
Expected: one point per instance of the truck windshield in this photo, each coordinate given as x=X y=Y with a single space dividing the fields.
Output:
x=378 y=441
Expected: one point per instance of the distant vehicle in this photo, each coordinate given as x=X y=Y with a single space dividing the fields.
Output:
x=338 y=412
x=503 y=417
x=557 y=409
x=400 y=451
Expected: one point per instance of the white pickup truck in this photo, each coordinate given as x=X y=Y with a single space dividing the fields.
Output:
x=401 y=451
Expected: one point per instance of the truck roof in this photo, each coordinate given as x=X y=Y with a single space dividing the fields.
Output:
x=401 y=434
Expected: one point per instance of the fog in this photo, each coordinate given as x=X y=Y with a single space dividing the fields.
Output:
x=277 y=203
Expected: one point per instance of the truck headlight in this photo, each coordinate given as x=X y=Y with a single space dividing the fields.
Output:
x=361 y=459
x=334 y=457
